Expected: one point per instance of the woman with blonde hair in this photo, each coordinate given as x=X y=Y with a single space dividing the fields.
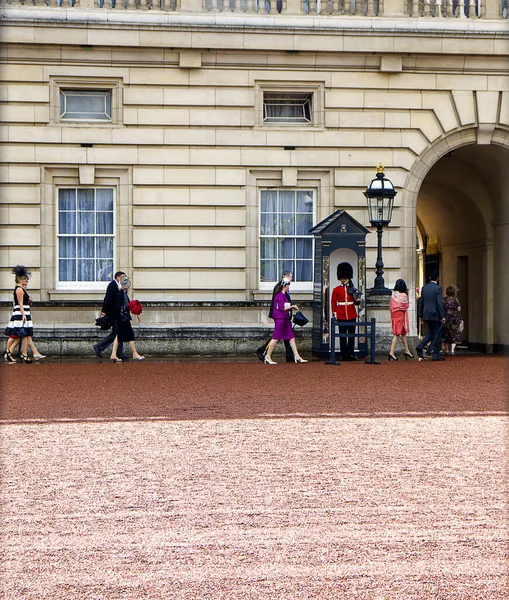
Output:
x=399 y=318
x=20 y=324
x=125 y=330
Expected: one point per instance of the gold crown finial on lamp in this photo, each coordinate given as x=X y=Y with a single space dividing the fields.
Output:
x=379 y=168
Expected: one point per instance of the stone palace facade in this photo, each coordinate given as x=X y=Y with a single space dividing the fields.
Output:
x=194 y=143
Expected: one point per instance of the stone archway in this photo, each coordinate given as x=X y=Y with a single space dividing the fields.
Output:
x=457 y=193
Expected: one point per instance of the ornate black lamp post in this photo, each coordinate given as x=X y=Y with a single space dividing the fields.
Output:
x=380 y=197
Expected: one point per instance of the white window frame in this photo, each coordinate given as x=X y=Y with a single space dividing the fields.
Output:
x=297 y=286
x=289 y=99
x=65 y=93
x=91 y=85
x=83 y=285
x=316 y=89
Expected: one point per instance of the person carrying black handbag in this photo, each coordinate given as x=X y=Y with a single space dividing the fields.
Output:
x=110 y=308
x=287 y=277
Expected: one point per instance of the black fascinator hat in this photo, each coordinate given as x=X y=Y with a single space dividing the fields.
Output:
x=20 y=271
x=345 y=270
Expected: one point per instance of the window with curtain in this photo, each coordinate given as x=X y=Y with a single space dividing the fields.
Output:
x=286 y=216
x=85 y=232
x=85 y=105
x=287 y=108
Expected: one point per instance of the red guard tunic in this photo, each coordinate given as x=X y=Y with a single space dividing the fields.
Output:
x=342 y=304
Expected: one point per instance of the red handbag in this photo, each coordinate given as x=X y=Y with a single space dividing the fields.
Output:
x=135 y=308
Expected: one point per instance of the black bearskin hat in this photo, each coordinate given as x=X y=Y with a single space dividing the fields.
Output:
x=345 y=270
x=20 y=271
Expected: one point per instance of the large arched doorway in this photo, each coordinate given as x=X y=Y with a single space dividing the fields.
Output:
x=462 y=220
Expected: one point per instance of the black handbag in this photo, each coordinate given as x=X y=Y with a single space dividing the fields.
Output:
x=103 y=322
x=299 y=318
x=21 y=332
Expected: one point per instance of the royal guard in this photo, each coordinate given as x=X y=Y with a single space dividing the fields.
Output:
x=345 y=299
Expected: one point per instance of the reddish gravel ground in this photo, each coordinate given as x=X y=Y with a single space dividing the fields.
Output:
x=239 y=481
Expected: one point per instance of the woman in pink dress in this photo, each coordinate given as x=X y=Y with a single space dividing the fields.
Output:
x=399 y=318
x=283 y=326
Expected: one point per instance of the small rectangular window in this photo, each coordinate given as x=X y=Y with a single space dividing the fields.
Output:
x=287 y=108
x=85 y=105
x=86 y=237
x=286 y=216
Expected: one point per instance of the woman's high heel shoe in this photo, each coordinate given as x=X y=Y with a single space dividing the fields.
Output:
x=8 y=357
x=268 y=361
x=23 y=358
x=391 y=357
x=408 y=355
x=298 y=359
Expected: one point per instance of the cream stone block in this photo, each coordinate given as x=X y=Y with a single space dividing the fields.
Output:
x=225 y=217
x=351 y=178
x=487 y=106
x=180 y=96
x=24 y=256
x=189 y=257
x=163 y=116
x=467 y=46
x=226 y=176
x=135 y=136
x=154 y=155
x=344 y=99
x=82 y=135
x=23 y=153
x=217 y=237
x=342 y=138
x=414 y=140
x=13 y=113
x=348 y=198
x=148 y=216
x=403 y=158
x=465 y=105
x=365 y=158
x=314 y=158
x=442 y=104
x=88 y=72
x=504 y=109
x=397 y=119
x=148 y=258
x=191 y=176
x=216 y=279
x=215 y=117
x=142 y=96
x=288 y=78
x=20 y=174
x=17 y=35
x=20 y=236
x=160 y=196
x=164 y=236
x=231 y=258
x=361 y=119
x=383 y=139
x=361 y=80
x=162 y=278
x=22 y=73
x=19 y=194
x=287 y=137
x=316 y=43
x=190 y=59
x=498 y=83
x=419 y=44
x=7 y=282
x=219 y=77
x=24 y=93
x=266 y=157
x=217 y=196
x=427 y=123
x=130 y=116
x=234 y=97
x=331 y=118
x=22 y=215
x=158 y=76
x=215 y=156
x=412 y=81
x=191 y=137
x=393 y=99
x=462 y=82
x=120 y=37
x=189 y=216
x=148 y=175
x=113 y=155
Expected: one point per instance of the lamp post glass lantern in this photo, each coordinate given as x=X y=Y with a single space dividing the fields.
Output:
x=380 y=198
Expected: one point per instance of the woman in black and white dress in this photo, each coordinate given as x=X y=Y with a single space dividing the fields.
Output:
x=21 y=318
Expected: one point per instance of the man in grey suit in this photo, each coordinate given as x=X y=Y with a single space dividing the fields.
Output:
x=431 y=312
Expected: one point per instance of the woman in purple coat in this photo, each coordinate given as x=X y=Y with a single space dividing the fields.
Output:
x=283 y=328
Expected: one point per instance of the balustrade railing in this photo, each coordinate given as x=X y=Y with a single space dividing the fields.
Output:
x=461 y=9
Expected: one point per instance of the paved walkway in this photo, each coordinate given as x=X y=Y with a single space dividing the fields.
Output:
x=325 y=500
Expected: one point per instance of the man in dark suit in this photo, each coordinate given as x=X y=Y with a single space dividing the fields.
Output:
x=431 y=312
x=110 y=308
x=287 y=276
